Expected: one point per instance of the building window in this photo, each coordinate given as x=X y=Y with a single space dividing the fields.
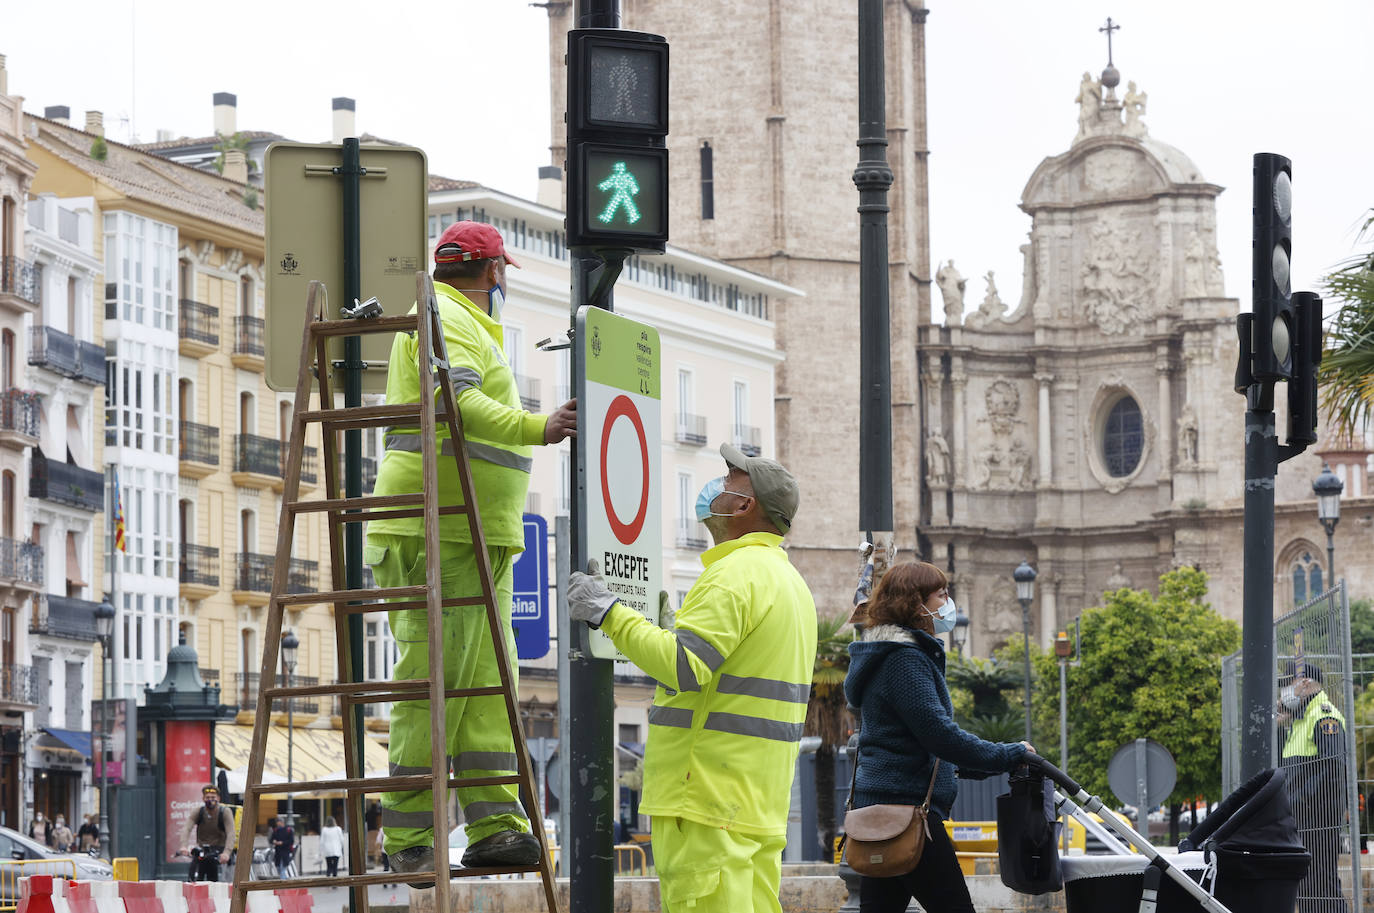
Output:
x=1307 y=579
x=708 y=191
x=1123 y=438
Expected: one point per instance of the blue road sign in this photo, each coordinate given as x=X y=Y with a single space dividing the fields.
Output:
x=529 y=611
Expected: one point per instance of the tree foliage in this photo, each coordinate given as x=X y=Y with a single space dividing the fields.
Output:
x=978 y=688
x=1346 y=374
x=236 y=141
x=1150 y=668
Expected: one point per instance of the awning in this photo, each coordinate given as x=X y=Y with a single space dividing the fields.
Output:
x=316 y=754
x=74 y=739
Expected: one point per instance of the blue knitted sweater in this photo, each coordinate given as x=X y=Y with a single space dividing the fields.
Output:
x=897 y=681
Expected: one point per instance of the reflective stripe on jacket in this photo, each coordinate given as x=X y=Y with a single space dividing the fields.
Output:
x=499 y=433
x=1302 y=737
x=734 y=677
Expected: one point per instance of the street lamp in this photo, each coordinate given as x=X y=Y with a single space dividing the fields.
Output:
x=959 y=636
x=1024 y=575
x=289 y=645
x=104 y=630
x=1328 y=489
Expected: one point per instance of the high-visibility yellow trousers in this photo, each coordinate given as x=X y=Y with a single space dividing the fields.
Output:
x=478 y=731
x=705 y=869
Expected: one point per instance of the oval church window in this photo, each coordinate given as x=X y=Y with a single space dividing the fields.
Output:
x=1123 y=438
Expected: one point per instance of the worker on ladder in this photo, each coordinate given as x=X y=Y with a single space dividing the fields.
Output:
x=470 y=263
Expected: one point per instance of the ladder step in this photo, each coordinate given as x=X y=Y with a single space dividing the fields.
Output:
x=343 y=881
x=360 y=602
x=397 y=513
x=396 y=697
x=326 y=596
x=384 y=413
x=362 y=785
x=416 y=604
x=354 y=326
x=374 y=507
x=376 y=692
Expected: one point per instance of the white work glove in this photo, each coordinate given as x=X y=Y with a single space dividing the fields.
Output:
x=588 y=598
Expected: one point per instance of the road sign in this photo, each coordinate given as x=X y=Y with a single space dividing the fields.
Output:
x=305 y=241
x=619 y=459
x=1142 y=773
x=529 y=608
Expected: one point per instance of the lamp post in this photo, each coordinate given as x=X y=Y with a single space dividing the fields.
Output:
x=289 y=645
x=1024 y=575
x=104 y=629
x=959 y=636
x=1328 y=488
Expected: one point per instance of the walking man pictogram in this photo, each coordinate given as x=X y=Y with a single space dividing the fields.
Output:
x=625 y=187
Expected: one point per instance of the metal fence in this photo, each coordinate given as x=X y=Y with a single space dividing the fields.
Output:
x=1324 y=761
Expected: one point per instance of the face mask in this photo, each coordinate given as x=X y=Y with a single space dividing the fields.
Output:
x=497 y=296
x=1288 y=696
x=709 y=492
x=944 y=616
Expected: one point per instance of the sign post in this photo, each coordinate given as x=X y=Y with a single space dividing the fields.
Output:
x=619 y=460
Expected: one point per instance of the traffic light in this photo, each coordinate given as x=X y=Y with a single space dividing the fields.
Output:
x=1271 y=289
x=617 y=120
x=1307 y=357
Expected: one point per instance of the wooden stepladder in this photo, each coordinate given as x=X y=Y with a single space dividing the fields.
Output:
x=437 y=404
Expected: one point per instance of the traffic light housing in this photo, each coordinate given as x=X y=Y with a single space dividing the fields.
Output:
x=1271 y=290
x=617 y=117
x=1307 y=357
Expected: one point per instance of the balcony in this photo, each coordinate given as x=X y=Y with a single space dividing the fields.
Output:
x=376 y=716
x=747 y=438
x=246 y=695
x=21 y=564
x=19 y=689
x=302 y=576
x=257 y=461
x=199 y=449
x=63 y=616
x=691 y=429
x=369 y=473
x=310 y=468
x=529 y=391
x=19 y=419
x=21 y=285
x=252 y=578
x=199 y=570
x=248 y=348
x=66 y=355
x=692 y=536
x=209 y=676
x=66 y=483
x=198 y=325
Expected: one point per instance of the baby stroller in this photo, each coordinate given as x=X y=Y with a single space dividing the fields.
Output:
x=1245 y=857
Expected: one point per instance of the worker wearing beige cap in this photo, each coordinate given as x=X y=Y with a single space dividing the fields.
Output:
x=734 y=676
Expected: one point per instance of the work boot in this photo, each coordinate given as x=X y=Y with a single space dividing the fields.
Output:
x=502 y=848
x=413 y=859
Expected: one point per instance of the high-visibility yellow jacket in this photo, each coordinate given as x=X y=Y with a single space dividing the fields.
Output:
x=499 y=433
x=734 y=677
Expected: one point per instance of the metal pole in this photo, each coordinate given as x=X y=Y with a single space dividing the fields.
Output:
x=1330 y=554
x=1025 y=628
x=563 y=566
x=290 y=744
x=1257 y=653
x=104 y=748
x=1064 y=730
x=873 y=177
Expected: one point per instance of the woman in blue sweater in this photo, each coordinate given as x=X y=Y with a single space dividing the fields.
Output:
x=896 y=681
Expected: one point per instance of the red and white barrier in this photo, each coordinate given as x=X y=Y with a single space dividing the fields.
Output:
x=52 y=894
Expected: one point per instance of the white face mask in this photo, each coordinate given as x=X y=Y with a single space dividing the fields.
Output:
x=497 y=296
x=1288 y=696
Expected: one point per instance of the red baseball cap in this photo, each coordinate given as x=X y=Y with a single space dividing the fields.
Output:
x=471 y=241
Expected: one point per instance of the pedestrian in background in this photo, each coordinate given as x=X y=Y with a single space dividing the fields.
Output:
x=331 y=845
x=89 y=833
x=284 y=847
x=40 y=829
x=373 y=820
x=62 y=835
x=896 y=680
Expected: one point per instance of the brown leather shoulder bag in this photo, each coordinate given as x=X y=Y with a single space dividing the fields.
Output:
x=883 y=841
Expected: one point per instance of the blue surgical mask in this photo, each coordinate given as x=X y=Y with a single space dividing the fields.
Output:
x=944 y=616
x=497 y=296
x=709 y=492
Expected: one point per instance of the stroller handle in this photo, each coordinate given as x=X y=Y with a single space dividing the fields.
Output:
x=1038 y=763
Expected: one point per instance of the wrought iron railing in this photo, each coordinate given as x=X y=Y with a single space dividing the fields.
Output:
x=529 y=391
x=54 y=350
x=64 y=616
x=254 y=453
x=198 y=321
x=199 y=443
x=19 y=684
x=66 y=483
x=246 y=692
x=369 y=473
x=310 y=464
x=19 y=411
x=209 y=676
x=691 y=535
x=691 y=429
x=302 y=576
x=253 y=572
x=199 y=564
x=747 y=438
x=21 y=561
x=21 y=279
x=248 y=335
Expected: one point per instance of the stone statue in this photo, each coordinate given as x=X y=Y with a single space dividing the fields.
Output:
x=1020 y=460
x=992 y=307
x=1135 y=109
x=1187 y=437
x=986 y=463
x=1194 y=268
x=937 y=461
x=1089 y=100
x=952 y=291
x=1118 y=580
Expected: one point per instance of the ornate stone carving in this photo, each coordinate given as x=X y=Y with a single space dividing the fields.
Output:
x=1019 y=468
x=992 y=307
x=1003 y=403
x=1002 y=614
x=233 y=257
x=1109 y=170
x=1201 y=266
x=937 y=461
x=1117 y=279
x=1134 y=103
x=1187 y=437
x=999 y=468
x=951 y=285
x=1118 y=580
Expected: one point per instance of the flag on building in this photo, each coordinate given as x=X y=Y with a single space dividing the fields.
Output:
x=119 y=518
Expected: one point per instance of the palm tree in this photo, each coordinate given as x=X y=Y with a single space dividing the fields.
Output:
x=1346 y=374
x=987 y=681
x=827 y=716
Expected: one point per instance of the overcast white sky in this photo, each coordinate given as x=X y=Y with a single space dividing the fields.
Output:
x=1225 y=79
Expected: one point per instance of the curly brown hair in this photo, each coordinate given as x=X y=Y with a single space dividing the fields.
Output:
x=900 y=597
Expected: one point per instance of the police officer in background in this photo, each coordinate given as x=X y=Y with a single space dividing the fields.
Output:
x=1314 y=758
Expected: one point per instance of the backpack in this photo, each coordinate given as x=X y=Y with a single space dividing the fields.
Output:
x=200 y=816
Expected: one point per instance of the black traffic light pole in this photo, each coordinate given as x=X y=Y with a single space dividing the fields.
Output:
x=592 y=797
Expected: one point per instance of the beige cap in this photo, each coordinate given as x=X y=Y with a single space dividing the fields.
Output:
x=774 y=487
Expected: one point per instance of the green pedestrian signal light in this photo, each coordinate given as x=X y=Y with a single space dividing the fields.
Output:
x=622 y=186
x=621 y=198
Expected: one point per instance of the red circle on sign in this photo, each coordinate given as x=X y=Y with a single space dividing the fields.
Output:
x=627 y=533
